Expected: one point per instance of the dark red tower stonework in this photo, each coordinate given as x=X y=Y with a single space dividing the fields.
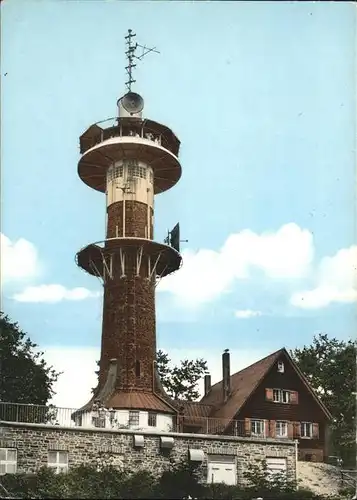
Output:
x=130 y=162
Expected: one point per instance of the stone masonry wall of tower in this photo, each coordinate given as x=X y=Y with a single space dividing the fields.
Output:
x=128 y=332
x=135 y=219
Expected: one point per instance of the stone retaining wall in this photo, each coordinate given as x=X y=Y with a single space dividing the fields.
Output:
x=33 y=441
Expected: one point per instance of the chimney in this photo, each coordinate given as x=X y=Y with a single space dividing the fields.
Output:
x=226 y=375
x=207 y=384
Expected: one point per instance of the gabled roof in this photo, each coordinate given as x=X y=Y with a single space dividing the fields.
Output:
x=245 y=382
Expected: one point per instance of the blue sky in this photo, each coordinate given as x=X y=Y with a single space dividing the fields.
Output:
x=262 y=97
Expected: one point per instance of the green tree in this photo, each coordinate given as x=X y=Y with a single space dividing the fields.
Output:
x=180 y=382
x=330 y=366
x=24 y=375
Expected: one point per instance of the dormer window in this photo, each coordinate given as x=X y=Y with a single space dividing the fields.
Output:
x=281 y=367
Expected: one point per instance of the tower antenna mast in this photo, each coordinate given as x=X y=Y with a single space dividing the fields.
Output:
x=131 y=56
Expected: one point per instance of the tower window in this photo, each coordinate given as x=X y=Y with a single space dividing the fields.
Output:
x=137 y=368
x=152 y=419
x=114 y=172
x=133 y=418
x=137 y=171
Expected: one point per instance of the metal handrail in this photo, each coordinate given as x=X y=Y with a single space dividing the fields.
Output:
x=56 y=416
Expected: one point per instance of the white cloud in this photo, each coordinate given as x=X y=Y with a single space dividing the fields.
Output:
x=53 y=293
x=282 y=255
x=247 y=313
x=78 y=364
x=336 y=282
x=74 y=386
x=19 y=259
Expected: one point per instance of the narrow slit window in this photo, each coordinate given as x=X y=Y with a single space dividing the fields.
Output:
x=137 y=368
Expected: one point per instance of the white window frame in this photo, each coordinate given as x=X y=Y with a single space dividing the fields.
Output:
x=304 y=426
x=134 y=418
x=281 y=367
x=53 y=461
x=8 y=463
x=257 y=422
x=281 y=396
x=152 y=419
x=282 y=424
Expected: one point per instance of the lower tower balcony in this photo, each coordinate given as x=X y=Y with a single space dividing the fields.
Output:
x=122 y=257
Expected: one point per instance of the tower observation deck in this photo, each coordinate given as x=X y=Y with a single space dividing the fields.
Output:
x=130 y=159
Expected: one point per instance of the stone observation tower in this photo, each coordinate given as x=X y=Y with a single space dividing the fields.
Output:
x=130 y=159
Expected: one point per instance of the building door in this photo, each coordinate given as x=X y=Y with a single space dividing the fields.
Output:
x=276 y=465
x=221 y=469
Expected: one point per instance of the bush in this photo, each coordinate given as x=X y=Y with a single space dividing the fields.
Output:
x=178 y=482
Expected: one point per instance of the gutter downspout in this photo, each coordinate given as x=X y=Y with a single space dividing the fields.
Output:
x=296 y=463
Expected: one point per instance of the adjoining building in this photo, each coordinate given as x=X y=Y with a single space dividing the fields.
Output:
x=270 y=398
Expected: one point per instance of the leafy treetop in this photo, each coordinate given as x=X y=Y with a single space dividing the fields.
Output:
x=25 y=376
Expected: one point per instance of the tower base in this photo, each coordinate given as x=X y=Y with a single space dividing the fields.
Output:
x=116 y=408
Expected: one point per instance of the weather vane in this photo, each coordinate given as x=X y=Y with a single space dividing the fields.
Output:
x=131 y=56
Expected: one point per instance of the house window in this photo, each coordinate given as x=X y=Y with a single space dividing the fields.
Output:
x=152 y=419
x=280 y=367
x=98 y=422
x=58 y=460
x=281 y=429
x=258 y=428
x=306 y=430
x=281 y=396
x=8 y=460
x=133 y=418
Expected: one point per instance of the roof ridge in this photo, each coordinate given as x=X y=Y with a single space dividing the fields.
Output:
x=252 y=364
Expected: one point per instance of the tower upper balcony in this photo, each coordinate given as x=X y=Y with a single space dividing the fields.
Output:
x=109 y=141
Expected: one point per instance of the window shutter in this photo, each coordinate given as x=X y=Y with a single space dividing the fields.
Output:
x=266 y=428
x=297 y=429
x=272 y=428
x=247 y=427
x=269 y=394
x=294 y=397
x=290 y=430
x=315 y=431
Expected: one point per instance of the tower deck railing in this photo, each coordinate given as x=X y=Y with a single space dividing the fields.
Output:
x=53 y=416
x=109 y=129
